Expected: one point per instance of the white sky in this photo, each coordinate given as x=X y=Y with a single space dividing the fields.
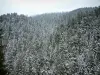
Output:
x=33 y=7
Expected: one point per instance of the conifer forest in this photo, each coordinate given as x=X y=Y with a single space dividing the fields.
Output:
x=66 y=43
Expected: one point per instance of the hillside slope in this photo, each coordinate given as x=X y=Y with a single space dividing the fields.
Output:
x=52 y=44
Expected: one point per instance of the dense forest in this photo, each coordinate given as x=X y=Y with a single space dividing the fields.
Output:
x=66 y=43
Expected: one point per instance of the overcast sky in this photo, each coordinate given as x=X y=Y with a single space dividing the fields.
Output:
x=34 y=7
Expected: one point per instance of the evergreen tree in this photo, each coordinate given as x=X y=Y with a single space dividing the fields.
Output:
x=3 y=71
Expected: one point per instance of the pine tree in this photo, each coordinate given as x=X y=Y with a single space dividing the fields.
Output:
x=2 y=66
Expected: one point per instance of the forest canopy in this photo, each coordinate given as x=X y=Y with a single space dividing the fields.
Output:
x=51 y=44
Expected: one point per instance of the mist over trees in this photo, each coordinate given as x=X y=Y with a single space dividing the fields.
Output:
x=51 y=44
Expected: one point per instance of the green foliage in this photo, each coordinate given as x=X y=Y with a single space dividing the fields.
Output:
x=51 y=44
x=3 y=71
